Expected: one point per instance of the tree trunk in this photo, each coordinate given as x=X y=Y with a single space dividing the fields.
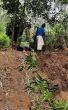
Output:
x=20 y=28
x=13 y=28
x=22 y=18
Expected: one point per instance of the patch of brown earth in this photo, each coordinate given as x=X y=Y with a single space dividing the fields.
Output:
x=55 y=66
x=12 y=94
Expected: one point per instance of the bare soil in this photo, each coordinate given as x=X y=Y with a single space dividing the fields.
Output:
x=51 y=64
x=55 y=65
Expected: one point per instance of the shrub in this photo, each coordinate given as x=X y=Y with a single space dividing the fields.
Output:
x=4 y=40
x=54 y=33
x=51 y=39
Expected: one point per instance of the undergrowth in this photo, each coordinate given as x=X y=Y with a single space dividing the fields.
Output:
x=4 y=40
x=45 y=99
x=31 y=61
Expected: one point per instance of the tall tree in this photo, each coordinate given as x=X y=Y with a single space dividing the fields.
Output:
x=22 y=8
x=12 y=7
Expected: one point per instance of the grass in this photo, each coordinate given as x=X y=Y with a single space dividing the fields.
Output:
x=44 y=88
x=60 y=105
x=31 y=61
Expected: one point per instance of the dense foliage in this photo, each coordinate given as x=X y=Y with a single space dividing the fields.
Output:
x=20 y=12
x=57 y=35
x=4 y=40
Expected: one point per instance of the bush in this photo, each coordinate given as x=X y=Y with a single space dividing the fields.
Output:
x=54 y=34
x=51 y=39
x=4 y=40
x=2 y=27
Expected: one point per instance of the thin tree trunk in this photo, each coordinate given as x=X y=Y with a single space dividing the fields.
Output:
x=20 y=29
x=22 y=18
x=13 y=28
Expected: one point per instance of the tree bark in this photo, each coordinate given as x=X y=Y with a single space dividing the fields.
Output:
x=13 y=28
x=22 y=19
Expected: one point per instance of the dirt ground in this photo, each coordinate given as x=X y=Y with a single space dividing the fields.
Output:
x=51 y=64
x=55 y=65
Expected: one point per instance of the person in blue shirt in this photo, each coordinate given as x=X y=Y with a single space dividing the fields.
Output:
x=40 y=33
x=41 y=30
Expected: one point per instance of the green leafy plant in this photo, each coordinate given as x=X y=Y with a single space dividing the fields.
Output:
x=60 y=105
x=4 y=40
x=31 y=61
x=44 y=88
x=46 y=96
x=40 y=84
x=54 y=33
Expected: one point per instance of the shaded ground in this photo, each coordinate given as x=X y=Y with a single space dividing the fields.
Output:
x=12 y=93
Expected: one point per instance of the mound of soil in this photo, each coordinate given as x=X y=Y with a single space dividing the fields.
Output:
x=12 y=92
x=55 y=65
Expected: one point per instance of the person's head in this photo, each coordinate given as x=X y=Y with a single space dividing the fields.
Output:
x=29 y=26
x=43 y=25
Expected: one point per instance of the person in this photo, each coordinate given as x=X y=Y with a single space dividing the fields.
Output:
x=25 y=38
x=26 y=33
x=40 y=40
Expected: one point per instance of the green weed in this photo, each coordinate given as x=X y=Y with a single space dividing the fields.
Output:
x=44 y=88
x=60 y=105
x=31 y=61
x=46 y=96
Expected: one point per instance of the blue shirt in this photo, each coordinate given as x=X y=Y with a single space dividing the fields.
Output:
x=40 y=31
